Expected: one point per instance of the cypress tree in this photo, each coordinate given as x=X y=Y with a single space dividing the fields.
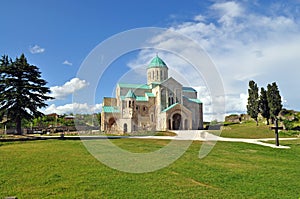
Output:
x=253 y=101
x=263 y=105
x=274 y=100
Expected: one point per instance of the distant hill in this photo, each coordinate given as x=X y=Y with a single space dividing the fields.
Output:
x=289 y=119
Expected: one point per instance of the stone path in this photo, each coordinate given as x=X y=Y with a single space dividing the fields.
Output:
x=201 y=135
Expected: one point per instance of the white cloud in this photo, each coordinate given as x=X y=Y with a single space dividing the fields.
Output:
x=227 y=11
x=66 y=62
x=229 y=8
x=36 y=49
x=199 y=18
x=244 y=45
x=73 y=108
x=75 y=84
x=234 y=104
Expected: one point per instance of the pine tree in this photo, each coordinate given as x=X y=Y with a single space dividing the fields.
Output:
x=253 y=105
x=22 y=90
x=263 y=105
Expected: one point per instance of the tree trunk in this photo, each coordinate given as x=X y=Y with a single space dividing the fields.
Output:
x=276 y=132
x=268 y=122
x=256 y=121
x=19 y=126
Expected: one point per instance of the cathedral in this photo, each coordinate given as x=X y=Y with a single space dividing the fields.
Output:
x=160 y=105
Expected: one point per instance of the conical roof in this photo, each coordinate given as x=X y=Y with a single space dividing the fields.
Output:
x=130 y=94
x=157 y=62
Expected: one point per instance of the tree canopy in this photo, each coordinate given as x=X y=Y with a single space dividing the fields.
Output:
x=22 y=90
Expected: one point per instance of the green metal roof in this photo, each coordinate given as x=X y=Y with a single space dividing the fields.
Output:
x=122 y=97
x=157 y=63
x=135 y=86
x=150 y=94
x=141 y=99
x=138 y=98
x=188 y=89
x=110 y=109
x=130 y=94
x=170 y=107
x=195 y=100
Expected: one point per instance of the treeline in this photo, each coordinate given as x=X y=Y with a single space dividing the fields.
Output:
x=268 y=102
x=54 y=120
x=56 y=123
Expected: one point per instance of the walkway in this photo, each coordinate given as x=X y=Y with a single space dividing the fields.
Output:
x=201 y=135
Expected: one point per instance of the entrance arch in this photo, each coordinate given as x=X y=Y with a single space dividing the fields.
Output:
x=176 y=121
x=111 y=122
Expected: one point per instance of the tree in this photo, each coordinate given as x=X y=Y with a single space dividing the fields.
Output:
x=263 y=105
x=274 y=100
x=98 y=123
x=22 y=90
x=253 y=105
x=275 y=105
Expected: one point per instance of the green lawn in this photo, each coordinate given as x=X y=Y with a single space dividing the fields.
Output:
x=64 y=169
x=250 y=130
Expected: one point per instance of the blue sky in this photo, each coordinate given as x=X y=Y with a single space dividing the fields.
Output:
x=246 y=40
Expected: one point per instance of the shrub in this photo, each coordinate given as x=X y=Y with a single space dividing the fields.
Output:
x=288 y=124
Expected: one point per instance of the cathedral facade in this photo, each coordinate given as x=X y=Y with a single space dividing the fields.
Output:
x=160 y=105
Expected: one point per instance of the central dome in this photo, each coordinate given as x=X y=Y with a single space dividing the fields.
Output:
x=157 y=71
x=157 y=62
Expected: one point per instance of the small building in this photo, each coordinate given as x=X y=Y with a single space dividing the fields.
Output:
x=69 y=117
x=160 y=105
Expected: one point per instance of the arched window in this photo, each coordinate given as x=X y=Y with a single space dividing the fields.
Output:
x=145 y=109
x=125 y=128
x=171 y=101
x=129 y=103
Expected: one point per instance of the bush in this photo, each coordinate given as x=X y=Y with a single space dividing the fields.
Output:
x=288 y=124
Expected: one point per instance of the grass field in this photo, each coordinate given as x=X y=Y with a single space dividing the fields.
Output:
x=250 y=130
x=64 y=169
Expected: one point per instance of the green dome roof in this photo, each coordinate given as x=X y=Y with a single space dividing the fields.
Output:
x=157 y=63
